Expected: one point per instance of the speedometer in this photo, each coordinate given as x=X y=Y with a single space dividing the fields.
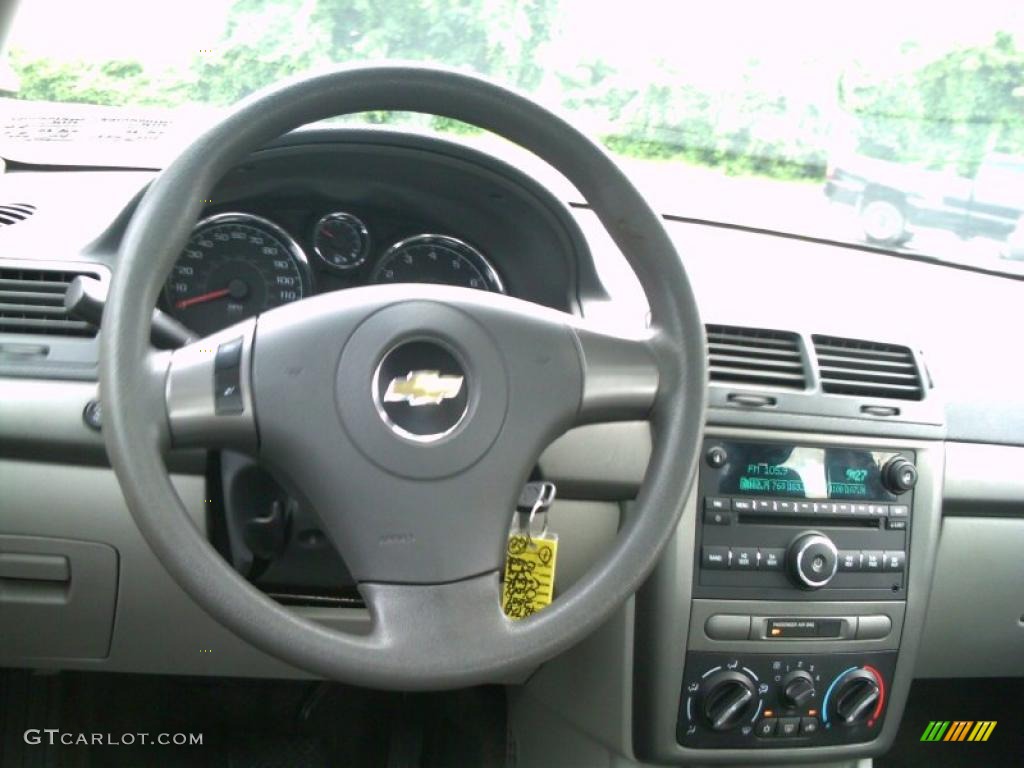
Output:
x=437 y=259
x=234 y=266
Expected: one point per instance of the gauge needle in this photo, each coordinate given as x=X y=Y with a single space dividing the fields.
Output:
x=208 y=296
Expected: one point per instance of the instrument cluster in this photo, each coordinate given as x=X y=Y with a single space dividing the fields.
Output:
x=237 y=264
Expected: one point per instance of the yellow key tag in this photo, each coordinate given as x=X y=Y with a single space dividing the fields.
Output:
x=529 y=574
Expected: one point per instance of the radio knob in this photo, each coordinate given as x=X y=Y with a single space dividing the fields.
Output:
x=899 y=475
x=798 y=688
x=813 y=560
x=729 y=699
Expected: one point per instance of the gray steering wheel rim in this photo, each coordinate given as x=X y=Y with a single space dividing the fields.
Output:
x=136 y=441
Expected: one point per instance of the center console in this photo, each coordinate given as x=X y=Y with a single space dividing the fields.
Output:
x=779 y=624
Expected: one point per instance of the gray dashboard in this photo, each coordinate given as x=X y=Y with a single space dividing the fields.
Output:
x=961 y=325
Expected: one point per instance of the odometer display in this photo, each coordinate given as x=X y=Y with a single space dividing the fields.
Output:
x=234 y=266
x=437 y=259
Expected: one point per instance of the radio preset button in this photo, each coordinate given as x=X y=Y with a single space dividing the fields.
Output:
x=849 y=559
x=861 y=510
x=825 y=507
x=804 y=507
x=894 y=562
x=715 y=558
x=742 y=505
x=771 y=559
x=785 y=506
x=762 y=505
x=744 y=559
x=899 y=510
x=843 y=508
x=871 y=560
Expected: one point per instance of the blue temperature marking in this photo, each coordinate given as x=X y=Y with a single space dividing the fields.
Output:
x=824 y=703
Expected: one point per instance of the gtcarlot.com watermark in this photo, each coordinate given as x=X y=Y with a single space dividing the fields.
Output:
x=54 y=736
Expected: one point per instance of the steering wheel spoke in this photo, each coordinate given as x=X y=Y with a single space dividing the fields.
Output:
x=621 y=374
x=208 y=391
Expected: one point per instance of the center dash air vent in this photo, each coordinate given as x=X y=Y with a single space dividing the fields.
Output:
x=32 y=301
x=867 y=368
x=755 y=357
x=15 y=212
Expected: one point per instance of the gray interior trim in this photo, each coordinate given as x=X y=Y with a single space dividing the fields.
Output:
x=983 y=480
x=975 y=621
x=42 y=419
x=157 y=629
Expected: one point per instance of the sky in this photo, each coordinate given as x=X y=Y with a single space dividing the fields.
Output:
x=797 y=47
x=161 y=33
x=711 y=41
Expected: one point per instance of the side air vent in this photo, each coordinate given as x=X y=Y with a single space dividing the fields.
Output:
x=755 y=357
x=867 y=368
x=15 y=212
x=32 y=301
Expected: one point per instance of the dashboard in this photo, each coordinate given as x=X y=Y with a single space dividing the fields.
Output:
x=863 y=443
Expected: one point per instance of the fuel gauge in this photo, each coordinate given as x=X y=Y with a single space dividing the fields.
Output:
x=341 y=240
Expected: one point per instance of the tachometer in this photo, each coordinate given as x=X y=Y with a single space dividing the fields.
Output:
x=234 y=266
x=437 y=259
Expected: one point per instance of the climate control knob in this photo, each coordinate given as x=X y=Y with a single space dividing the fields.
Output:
x=729 y=698
x=798 y=688
x=854 y=697
x=899 y=475
x=812 y=560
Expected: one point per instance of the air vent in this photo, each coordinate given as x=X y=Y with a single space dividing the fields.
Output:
x=12 y=214
x=755 y=357
x=32 y=301
x=867 y=368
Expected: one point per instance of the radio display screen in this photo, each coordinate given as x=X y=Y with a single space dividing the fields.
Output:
x=803 y=472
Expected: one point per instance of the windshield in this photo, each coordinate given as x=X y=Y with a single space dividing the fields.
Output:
x=894 y=124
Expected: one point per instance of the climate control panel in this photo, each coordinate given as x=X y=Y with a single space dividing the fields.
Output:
x=782 y=700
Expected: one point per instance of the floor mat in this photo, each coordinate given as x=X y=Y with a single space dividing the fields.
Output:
x=1001 y=700
x=239 y=723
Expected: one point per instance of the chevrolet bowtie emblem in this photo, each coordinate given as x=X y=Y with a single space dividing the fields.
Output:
x=423 y=388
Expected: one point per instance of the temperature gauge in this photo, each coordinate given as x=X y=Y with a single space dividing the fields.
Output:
x=341 y=240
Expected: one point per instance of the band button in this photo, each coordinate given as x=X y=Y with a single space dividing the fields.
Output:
x=715 y=558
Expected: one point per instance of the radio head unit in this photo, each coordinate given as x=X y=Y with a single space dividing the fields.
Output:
x=781 y=520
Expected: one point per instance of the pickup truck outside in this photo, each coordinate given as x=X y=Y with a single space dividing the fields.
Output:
x=895 y=201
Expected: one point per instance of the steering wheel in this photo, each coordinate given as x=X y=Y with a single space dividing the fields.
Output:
x=416 y=497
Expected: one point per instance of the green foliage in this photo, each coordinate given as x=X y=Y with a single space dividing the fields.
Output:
x=949 y=111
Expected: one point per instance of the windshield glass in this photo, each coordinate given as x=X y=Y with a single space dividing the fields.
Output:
x=896 y=124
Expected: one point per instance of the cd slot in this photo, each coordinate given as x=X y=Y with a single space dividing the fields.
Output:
x=763 y=518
